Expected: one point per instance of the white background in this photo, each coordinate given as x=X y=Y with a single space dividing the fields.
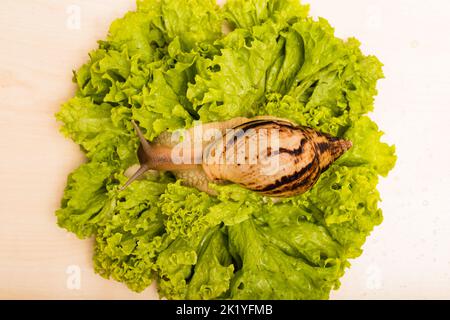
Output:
x=407 y=257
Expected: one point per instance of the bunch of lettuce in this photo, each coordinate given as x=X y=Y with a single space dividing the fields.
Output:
x=170 y=63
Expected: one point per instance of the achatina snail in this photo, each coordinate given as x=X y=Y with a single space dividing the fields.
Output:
x=301 y=154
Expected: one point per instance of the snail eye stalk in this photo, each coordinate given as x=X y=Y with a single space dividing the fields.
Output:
x=144 y=151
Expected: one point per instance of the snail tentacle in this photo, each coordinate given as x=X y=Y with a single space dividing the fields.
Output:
x=142 y=169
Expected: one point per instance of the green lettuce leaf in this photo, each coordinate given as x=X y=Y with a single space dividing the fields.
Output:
x=174 y=266
x=161 y=108
x=128 y=243
x=196 y=23
x=104 y=132
x=246 y=14
x=368 y=148
x=86 y=202
x=233 y=82
x=186 y=211
x=345 y=201
x=265 y=271
x=196 y=267
x=168 y=64
x=213 y=270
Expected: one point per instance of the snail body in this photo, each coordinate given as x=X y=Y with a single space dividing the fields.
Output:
x=271 y=156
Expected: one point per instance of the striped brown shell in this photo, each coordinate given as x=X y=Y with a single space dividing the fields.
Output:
x=301 y=155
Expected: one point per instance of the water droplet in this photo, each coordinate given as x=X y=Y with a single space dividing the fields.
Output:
x=414 y=44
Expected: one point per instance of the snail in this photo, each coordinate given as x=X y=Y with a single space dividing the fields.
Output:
x=271 y=156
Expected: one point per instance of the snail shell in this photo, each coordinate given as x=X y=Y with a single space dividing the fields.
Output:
x=286 y=159
x=301 y=155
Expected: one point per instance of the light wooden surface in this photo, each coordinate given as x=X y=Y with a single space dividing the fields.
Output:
x=407 y=257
